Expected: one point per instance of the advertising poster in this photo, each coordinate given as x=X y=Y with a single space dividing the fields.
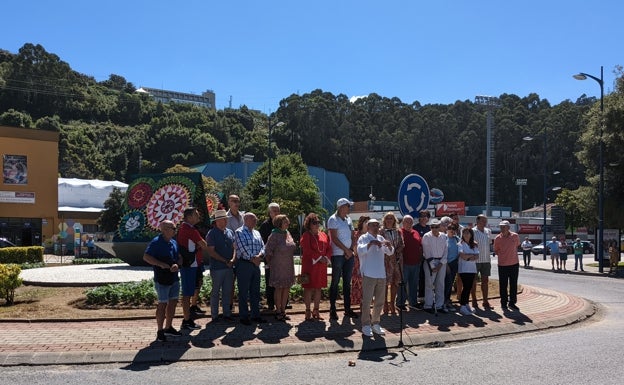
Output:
x=15 y=169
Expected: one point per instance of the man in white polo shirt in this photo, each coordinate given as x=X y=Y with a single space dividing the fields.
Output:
x=341 y=233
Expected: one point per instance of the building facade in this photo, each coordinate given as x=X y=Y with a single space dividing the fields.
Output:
x=28 y=194
x=206 y=99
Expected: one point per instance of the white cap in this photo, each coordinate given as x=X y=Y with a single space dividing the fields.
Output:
x=343 y=201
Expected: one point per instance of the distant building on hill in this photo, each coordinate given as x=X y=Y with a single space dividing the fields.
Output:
x=206 y=99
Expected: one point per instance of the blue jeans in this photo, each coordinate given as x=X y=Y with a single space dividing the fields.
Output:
x=222 y=281
x=411 y=278
x=449 y=278
x=341 y=268
x=248 y=278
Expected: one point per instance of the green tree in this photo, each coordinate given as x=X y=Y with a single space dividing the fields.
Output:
x=293 y=188
x=109 y=219
x=210 y=184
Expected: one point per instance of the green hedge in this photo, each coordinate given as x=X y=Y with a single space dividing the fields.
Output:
x=93 y=261
x=19 y=255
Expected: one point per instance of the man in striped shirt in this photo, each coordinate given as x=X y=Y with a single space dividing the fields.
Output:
x=249 y=253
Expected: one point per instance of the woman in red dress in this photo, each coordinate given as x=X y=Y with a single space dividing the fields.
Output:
x=314 y=259
x=356 y=278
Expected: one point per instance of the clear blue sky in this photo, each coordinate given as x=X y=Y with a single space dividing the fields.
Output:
x=259 y=52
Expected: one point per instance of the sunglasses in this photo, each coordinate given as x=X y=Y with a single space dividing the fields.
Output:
x=315 y=223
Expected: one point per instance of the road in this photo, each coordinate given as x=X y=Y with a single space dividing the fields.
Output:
x=587 y=353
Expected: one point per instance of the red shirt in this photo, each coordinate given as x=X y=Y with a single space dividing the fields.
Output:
x=188 y=237
x=506 y=247
x=412 y=252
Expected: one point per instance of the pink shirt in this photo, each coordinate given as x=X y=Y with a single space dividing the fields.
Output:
x=506 y=248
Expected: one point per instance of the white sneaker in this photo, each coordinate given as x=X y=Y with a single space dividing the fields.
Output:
x=367 y=331
x=464 y=310
x=377 y=329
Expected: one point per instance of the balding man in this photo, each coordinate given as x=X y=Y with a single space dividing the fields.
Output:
x=250 y=251
x=162 y=253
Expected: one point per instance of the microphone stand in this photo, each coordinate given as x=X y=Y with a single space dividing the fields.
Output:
x=401 y=323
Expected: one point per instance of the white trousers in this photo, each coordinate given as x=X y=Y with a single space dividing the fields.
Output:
x=434 y=285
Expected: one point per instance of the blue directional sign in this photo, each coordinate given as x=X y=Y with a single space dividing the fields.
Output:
x=413 y=195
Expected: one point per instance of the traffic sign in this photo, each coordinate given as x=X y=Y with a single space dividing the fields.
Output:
x=413 y=195
x=521 y=182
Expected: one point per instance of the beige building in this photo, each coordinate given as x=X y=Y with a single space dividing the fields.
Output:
x=29 y=193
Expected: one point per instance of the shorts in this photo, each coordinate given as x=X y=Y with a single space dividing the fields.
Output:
x=189 y=280
x=200 y=277
x=484 y=269
x=166 y=293
x=563 y=257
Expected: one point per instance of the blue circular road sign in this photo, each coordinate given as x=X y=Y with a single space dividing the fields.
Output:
x=413 y=195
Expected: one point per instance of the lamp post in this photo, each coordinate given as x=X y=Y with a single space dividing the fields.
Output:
x=583 y=76
x=545 y=183
x=270 y=154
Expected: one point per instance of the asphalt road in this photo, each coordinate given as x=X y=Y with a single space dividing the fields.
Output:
x=587 y=353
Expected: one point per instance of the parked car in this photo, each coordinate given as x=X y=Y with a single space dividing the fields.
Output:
x=539 y=249
x=6 y=243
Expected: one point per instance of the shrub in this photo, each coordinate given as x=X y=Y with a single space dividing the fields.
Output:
x=27 y=254
x=9 y=281
x=125 y=294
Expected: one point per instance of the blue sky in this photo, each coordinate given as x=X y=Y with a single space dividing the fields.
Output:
x=259 y=52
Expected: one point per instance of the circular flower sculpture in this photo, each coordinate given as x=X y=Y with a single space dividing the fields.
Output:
x=168 y=202
x=139 y=195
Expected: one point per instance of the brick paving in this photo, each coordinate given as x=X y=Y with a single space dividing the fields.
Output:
x=103 y=341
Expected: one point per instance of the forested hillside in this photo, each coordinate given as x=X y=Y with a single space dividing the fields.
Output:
x=109 y=131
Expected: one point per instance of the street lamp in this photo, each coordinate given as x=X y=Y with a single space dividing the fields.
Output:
x=583 y=76
x=278 y=124
x=545 y=186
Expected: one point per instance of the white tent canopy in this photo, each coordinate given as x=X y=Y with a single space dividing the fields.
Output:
x=85 y=195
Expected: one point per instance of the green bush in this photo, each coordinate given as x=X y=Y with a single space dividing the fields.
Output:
x=28 y=265
x=9 y=281
x=92 y=261
x=125 y=294
x=26 y=254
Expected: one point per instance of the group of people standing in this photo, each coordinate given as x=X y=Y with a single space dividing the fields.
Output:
x=379 y=264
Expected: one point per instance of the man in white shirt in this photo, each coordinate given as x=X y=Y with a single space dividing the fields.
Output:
x=526 y=251
x=435 y=251
x=371 y=248
x=483 y=237
x=341 y=234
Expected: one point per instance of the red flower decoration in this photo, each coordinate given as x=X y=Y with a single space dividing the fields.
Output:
x=139 y=195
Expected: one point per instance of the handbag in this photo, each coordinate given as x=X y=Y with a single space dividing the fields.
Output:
x=303 y=278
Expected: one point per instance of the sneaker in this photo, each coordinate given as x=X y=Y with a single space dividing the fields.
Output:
x=451 y=308
x=195 y=309
x=190 y=325
x=171 y=332
x=428 y=310
x=377 y=329
x=333 y=315
x=514 y=307
x=367 y=331
x=463 y=310
x=160 y=336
